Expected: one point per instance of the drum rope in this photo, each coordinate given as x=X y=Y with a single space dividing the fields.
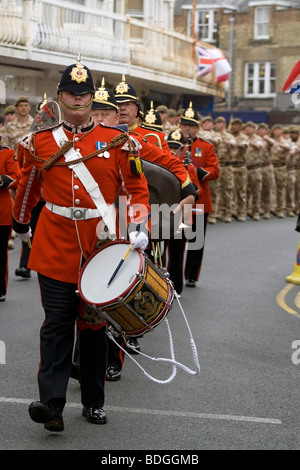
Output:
x=169 y=360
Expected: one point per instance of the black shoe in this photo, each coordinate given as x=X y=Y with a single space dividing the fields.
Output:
x=2 y=297
x=75 y=371
x=94 y=415
x=132 y=346
x=190 y=283
x=113 y=374
x=23 y=272
x=48 y=415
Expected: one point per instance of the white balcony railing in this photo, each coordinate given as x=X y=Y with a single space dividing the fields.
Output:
x=68 y=28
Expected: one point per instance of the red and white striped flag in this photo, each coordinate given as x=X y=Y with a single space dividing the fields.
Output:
x=221 y=65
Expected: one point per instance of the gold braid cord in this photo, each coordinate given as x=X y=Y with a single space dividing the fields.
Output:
x=52 y=161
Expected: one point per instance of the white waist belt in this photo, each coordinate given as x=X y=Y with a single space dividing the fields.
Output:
x=73 y=213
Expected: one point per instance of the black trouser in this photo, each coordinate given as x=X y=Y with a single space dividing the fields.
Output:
x=176 y=251
x=61 y=303
x=25 y=252
x=4 y=237
x=194 y=258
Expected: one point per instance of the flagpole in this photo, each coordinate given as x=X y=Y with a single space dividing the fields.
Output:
x=194 y=19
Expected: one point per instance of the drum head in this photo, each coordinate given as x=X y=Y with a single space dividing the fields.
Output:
x=98 y=269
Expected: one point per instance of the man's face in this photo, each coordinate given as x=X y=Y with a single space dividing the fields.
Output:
x=127 y=112
x=277 y=132
x=108 y=117
x=188 y=130
x=77 y=117
x=23 y=108
x=250 y=130
x=220 y=126
x=10 y=117
x=235 y=127
x=207 y=125
x=294 y=136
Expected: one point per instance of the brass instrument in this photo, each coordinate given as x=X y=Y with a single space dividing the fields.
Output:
x=188 y=153
x=157 y=138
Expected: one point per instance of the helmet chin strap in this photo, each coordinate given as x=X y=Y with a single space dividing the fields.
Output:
x=76 y=108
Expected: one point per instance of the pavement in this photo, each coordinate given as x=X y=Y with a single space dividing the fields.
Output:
x=243 y=318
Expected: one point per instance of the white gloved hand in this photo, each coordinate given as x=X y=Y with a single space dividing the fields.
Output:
x=138 y=241
x=24 y=236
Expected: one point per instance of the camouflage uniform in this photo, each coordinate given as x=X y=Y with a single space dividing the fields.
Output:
x=297 y=189
x=225 y=182
x=279 y=159
x=268 y=180
x=14 y=130
x=213 y=137
x=254 y=176
x=292 y=173
x=238 y=158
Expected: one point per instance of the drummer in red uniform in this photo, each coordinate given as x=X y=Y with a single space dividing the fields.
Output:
x=203 y=157
x=79 y=195
x=10 y=174
x=129 y=110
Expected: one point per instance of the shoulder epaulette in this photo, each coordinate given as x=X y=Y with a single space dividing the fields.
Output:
x=47 y=128
x=116 y=127
x=205 y=140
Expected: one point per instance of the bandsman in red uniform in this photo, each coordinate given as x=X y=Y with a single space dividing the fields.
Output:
x=129 y=107
x=80 y=167
x=10 y=174
x=151 y=132
x=202 y=156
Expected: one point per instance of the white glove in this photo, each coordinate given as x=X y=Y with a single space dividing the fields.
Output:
x=138 y=241
x=24 y=236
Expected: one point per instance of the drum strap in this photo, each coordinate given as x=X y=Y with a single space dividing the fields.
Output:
x=107 y=212
x=168 y=360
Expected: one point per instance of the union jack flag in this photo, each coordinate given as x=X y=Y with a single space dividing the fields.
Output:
x=205 y=61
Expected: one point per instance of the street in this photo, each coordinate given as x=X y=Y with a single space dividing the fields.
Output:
x=244 y=318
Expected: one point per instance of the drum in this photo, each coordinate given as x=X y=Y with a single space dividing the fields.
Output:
x=138 y=298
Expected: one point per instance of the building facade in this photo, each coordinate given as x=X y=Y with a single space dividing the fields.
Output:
x=39 y=38
x=262 y=43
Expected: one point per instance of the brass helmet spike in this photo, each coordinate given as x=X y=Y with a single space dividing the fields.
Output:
x=44 y=100
x=103 y=82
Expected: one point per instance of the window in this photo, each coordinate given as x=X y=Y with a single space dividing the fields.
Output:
x=261 y=23
x=260 y=79
x=206 y=28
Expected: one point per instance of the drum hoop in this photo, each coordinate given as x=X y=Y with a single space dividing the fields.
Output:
x=129 y=288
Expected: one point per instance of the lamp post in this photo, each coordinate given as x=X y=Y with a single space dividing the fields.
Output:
x=231 y=43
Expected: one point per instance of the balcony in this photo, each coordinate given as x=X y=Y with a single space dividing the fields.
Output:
x=47 y=35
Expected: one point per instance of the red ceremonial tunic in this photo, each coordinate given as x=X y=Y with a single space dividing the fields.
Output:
x=204 y=158
x=8 y=167
x=59 y=243
x=162 y=156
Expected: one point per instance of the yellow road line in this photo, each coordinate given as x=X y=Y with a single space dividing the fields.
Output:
x=297 y=300
x=281 y=300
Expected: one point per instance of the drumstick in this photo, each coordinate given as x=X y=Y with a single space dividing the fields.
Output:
x=29 y=242
x=127 y=251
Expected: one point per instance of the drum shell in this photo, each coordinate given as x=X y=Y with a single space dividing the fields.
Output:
x=142 y=306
